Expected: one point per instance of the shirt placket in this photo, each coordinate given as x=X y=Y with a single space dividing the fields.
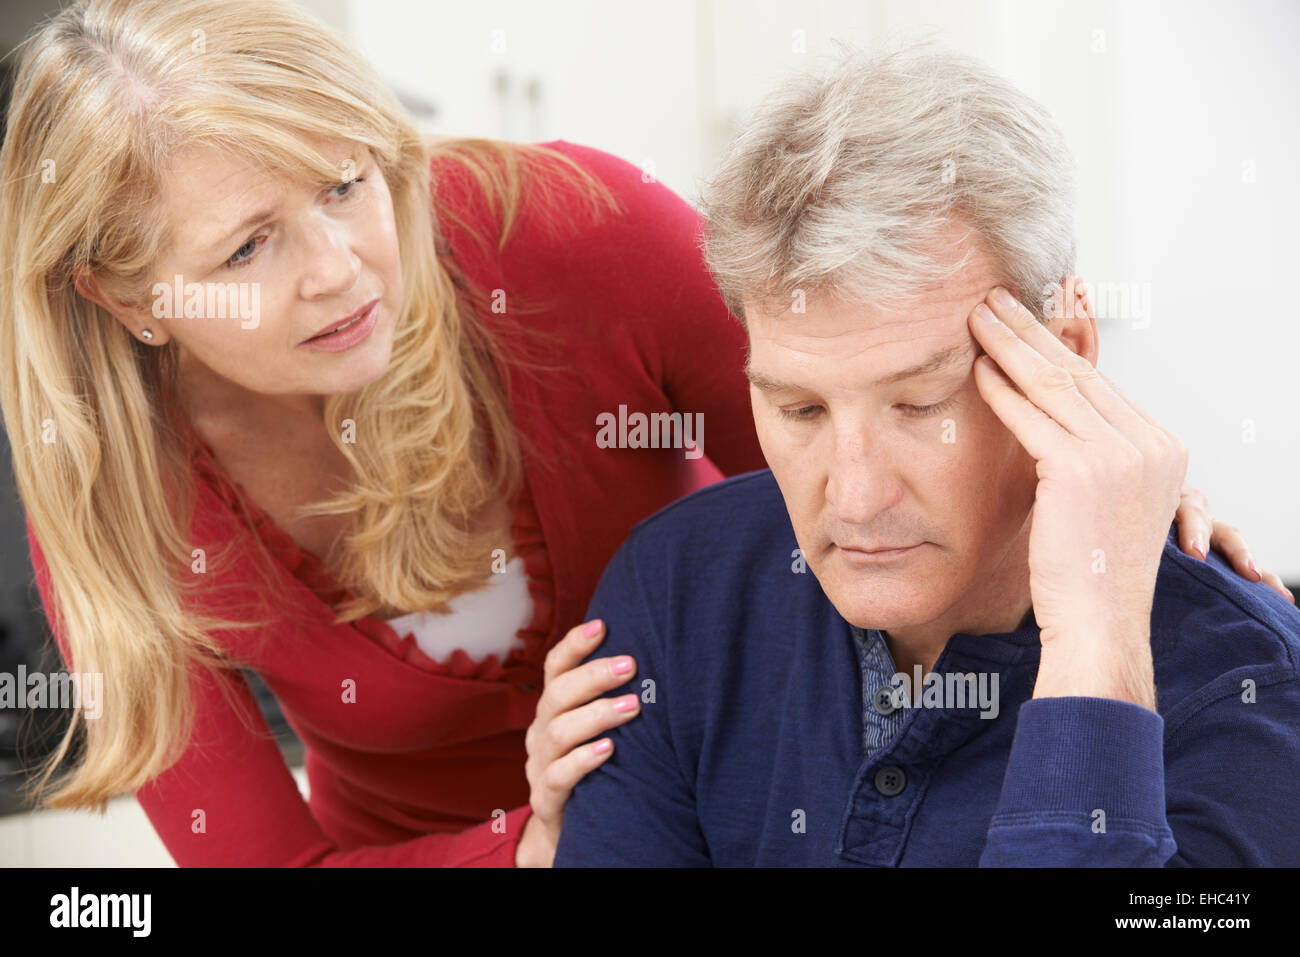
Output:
x=902 y=747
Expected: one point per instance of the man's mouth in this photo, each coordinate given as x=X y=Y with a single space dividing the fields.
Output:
x=877 y=553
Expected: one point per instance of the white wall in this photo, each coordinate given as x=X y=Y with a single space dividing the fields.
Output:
x=1163 y=104
x=1208 y=132
x=619 y=76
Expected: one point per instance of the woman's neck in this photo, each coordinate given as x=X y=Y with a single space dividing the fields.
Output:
x=204 y=394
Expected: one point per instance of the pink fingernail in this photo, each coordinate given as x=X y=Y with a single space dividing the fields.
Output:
x=600 y=747
x=1259 y=576
x=1196 y=544
x=592 y=629
x=625 y=703
x=621 y=666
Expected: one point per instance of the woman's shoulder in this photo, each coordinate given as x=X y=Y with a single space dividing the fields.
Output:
x=571 y=197
x=646 y=208
x=627 y=278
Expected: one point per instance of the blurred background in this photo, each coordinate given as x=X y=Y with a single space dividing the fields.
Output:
x=1182 y=116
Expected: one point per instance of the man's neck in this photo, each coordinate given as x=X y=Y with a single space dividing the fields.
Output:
x=998 y=603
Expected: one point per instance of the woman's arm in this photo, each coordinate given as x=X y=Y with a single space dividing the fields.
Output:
x=231 y=801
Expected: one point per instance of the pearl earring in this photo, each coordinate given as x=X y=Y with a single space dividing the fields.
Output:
x=146 y=335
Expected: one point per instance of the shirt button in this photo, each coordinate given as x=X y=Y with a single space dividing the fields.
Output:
x=883 y=700
x=890 y=781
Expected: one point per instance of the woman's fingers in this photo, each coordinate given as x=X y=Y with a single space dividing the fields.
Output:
x=1194 y=523
x=563 y=774
x=1228 y=542
x=571 y=728
x=573 y=647
x=577 y=686
x=570 y=711
x=1275 y=583
x=566 y=736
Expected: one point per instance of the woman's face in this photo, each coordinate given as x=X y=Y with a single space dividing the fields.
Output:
x=275 y=262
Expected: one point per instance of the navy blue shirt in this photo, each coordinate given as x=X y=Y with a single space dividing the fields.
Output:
x=765 y=739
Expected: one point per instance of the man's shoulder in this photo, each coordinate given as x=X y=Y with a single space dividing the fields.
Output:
x=735 y=515
x=716 y=556
x=1216 y=634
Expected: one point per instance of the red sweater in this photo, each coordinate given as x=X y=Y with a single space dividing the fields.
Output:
x=411 y=773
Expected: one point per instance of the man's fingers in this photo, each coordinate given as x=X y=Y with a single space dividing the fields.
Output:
x=1037 y=431
x=1114 y=408
x=1047 y=385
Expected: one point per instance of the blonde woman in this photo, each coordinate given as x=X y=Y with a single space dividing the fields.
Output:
x=291 y=389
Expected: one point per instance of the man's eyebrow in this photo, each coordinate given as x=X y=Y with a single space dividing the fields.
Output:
x=939 y=360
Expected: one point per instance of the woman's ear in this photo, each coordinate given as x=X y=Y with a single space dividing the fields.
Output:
x=84 y=282
x=87 y=288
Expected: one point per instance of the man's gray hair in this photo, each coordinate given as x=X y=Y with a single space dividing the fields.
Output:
x=840 y=183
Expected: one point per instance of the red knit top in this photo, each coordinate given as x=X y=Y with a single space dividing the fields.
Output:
x=425 y=767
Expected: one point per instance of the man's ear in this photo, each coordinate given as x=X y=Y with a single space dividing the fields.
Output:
x=1074 y=321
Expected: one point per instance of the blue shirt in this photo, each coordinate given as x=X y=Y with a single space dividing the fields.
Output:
x=758 y=743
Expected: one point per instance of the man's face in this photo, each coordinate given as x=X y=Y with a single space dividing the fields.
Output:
x=879 y=439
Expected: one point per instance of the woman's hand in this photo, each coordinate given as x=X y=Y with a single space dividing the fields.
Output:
x=1196 y=525
x=567 y=715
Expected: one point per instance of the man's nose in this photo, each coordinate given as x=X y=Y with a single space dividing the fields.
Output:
x=863 y=479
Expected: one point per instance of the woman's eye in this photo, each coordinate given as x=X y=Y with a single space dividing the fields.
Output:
x=348 y=186
x=235 y=261
x=250 y=247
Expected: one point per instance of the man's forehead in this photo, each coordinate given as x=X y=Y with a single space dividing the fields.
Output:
x=881 y=346
x=973 y=272
x=896 y=362
x=851 y=328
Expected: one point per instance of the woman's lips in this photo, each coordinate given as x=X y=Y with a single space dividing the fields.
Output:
x=345 y=338
x=342 y=323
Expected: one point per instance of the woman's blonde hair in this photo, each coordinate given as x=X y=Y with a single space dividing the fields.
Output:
x=104 y=94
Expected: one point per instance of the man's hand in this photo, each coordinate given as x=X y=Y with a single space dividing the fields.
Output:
x=1109 y=483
